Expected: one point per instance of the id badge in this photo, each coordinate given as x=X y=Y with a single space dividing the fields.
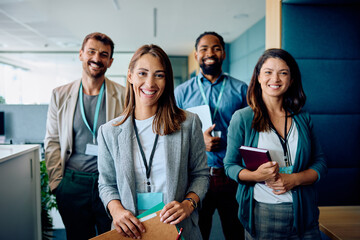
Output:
x=287 y=170
x=91 y=149
x=146 y=201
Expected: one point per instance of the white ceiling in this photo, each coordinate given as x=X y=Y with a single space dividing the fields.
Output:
x=61 y=25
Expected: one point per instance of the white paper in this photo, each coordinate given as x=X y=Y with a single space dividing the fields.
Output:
x=204 y=114
x=216 y=133
x=148 y=217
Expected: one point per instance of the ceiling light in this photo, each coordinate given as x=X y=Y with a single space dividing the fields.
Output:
x=116 y=4
x=155 y=21
x=68 y=44
x=241 y=16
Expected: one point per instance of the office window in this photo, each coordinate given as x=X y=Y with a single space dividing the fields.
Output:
x=28 y=78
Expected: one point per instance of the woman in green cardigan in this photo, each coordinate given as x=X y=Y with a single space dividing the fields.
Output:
x=278 y=200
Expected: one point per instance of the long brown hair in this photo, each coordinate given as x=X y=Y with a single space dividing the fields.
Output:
x=294 y=97
x=168 y=117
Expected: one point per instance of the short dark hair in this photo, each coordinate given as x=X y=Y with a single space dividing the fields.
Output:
x=210 y=33
x=99 y=37
x=294 y=98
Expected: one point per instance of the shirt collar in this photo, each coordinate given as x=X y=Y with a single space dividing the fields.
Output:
x=218 y=80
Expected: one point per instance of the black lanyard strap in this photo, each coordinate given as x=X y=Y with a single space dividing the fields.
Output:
x=283 y=142
x=148 y=168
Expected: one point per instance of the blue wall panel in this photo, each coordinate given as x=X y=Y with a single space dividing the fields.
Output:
x=330 y=32
x=343 y=190
x=331 y=85
x=324 y=39
x=244 y=51
x=339 y=135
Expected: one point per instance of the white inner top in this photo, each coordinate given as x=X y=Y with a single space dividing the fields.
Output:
x=269 y=140
x=158 y=168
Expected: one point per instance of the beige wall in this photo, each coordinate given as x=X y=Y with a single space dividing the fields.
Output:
x=193 y=64
x=273 y=24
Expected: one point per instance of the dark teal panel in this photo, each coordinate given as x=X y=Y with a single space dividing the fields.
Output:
x=324 y=37
x=339 y=138
x=226 y=62
x=322 y=2
x=256 y=36
x=318 y=31
x=340 y=187
x=245 y=51
x=331 y=86
x=239 y=47
x=239 y=70
x=252 y=60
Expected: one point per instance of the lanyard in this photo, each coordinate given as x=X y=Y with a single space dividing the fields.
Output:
x=201 y=87
x=97 y=110
x=283 y=142
x=148 y=168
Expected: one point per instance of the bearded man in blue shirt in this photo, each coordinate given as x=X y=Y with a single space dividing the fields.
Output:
x=224 y=95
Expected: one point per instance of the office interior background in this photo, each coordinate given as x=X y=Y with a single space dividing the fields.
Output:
x=40 y=41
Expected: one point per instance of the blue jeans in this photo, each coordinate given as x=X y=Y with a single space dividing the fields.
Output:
x=275 y=221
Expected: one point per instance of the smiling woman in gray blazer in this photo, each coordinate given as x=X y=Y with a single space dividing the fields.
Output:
x=153 y=152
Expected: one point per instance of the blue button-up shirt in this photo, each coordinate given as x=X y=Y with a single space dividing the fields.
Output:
x=234 y=97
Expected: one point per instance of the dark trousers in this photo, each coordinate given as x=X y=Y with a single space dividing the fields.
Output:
x=221 y=196
x=80 y=207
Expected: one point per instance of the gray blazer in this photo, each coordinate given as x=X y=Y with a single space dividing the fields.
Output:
x=186 y=167
x=59 y=125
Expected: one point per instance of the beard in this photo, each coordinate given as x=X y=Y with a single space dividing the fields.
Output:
x=95 y=74
x=213 y=69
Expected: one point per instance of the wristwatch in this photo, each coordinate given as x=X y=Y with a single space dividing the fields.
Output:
x=193 y=202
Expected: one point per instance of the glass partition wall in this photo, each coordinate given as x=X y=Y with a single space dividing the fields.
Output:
x=28 y=78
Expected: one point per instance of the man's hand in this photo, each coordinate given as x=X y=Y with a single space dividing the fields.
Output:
x=212 y=143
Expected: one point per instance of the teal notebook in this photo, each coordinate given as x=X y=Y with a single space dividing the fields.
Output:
x=152 y=210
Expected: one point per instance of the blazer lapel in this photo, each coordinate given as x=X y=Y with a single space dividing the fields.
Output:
x=112 y=103
x=125 y=157
x=173 y=153
x=69 y=108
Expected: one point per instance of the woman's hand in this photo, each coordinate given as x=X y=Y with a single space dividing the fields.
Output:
x=283 y=183
x=286 y=182
x=124 y=221
x=267 y=172
x=174 y=212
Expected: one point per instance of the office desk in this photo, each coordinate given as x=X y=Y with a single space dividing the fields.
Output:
x=340 y=222
x=20 y=201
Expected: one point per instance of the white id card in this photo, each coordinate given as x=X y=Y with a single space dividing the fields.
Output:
x=91 y=149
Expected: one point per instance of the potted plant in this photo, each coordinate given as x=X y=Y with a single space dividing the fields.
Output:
x=48 y=202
